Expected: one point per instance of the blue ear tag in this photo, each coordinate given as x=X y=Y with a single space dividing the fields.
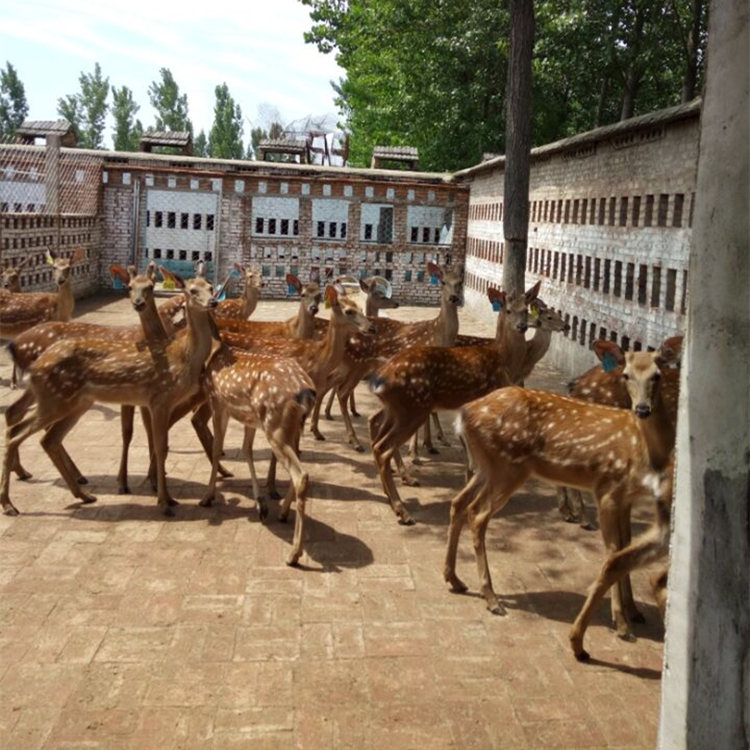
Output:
x=235 y=273
x=222 y=293
x=496 y=306
x=609 y=362
x=291 y=289
x=117 y=283
x=434 y=280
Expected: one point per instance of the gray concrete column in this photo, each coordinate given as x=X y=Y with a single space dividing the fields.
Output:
x=706 y=681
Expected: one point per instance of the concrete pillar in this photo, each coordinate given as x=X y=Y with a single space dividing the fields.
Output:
x=52 y=174
x=706 y=681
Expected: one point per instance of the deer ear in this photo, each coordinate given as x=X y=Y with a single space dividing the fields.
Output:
x=118 y=272
x=292 y=280
x=332 y=296
x=609 y=354
x=240 y=268
x=179 y=281
x=670 y=352
x=50 y=257
x=363 y=285
x=151 y=270
x=435 y=270
x=532 y=293
x=77 y=256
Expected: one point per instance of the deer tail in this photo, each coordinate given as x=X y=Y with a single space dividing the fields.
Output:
x=306 y=399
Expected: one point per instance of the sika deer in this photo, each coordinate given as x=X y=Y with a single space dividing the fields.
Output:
x=11 y=277
x=364 y=354
x=303 y=325
x=261 y=391
x=419 y=380
x=243 y=307
x=19 y=312
x=647 y=548
x=74 y=374
x=513 y=434
x=604 y=385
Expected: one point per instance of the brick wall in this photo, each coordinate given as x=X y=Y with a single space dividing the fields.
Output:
x=609 y=232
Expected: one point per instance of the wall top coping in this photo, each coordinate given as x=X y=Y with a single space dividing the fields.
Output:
x=690 y=110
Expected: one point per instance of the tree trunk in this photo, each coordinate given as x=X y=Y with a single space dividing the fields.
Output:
x=691 y=52
x=518 y=145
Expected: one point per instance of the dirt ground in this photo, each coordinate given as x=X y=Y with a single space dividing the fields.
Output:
x=124 y=629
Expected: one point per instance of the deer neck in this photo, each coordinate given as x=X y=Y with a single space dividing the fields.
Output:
x=538 y=346
x=511 y=343
x=65 y=301
x=249 y=302
x=335 y=341
x=151 y=323
x=199 y=340
x=302 y=325
x=446 y=324
x=658 y=432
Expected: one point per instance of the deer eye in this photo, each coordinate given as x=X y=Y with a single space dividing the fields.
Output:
x=625 y=376
x=656 y=376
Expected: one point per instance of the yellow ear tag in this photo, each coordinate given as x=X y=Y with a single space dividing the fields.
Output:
x=327 y=303
x=50 y=260
x=534 y=312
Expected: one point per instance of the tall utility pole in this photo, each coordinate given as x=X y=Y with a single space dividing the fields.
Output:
x=706 y=681
x=517 y=145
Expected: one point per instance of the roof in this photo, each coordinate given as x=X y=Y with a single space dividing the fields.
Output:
x=32 y=129
x=166 y=138
x=409 y=153
x=642 y=122
x=282 y=144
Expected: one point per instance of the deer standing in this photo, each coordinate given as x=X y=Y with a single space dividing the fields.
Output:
x=604 y=385
x=11 y=277
x=243 y=307
x=513 y=434
x=73 y=374
x=275 y=395
x=651 y=546
x=363 y=354
x=419 y=380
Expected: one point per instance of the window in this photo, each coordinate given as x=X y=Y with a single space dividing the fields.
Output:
x=407 y=275
x=663 y=210
x=171 y=219
x=636 y=210
x=671 y=289
x=607 y=271
x=655 y=286
x=617 y=288
x=648 y=218
x=272 y=226
x=679 y=202
x=285 y=227
x=197 y=221
x=259 y=225
x=184 y=221
x=415 y=234
x=629 y=279
x=623 y=211
x=368 y=231
x=158 y=218
x=209 y=222
x=321 y=229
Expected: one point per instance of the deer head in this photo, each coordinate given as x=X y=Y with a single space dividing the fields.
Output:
x=63 y=266
x=451 y=281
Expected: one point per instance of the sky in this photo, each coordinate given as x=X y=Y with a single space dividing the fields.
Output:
x=256 y=48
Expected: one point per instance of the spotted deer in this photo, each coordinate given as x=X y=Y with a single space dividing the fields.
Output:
x=364 y=354
x=421 y=379
x=303 y=325
x=604 y=385
x=10 y=277
x=514 y=434
x=68 y=378
x=318 y=358
x=243 y=307
x=650 y=547
x=19 y=312
x=264 y=392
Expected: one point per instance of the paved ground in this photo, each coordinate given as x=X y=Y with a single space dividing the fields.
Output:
x=122 y=629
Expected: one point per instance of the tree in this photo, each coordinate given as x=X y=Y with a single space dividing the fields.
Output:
x=518 y=143
x=200 y=145
x=13 y=104
x=171 y=107
x=128 y=131
x=86 y=111
x=225 y=139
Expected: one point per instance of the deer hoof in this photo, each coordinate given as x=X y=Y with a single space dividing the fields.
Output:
x=319 y=436
x=262 y=510
x=10 y=510
x=496 y=608
x=582 y=655
x=456 y=584
x=590 y=526
x=224 y=472
x=23 y=475
x=359 y=448
x=207 y=501
x=355 y=413
x=293 y=560
x=406 y=520
x=88 y=499
x=432 y=450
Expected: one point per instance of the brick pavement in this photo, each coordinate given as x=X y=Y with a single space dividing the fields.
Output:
x=123 y=629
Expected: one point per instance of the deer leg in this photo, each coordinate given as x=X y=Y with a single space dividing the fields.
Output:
x=329 y=403
x=649 y=547
x=459 y=504
x=343 y=395
x=160 y=430
x=16 y=434
x=491 y=498
x=199 y=420
x=315 y=417
x=260 y=499
x=271 y=478
x=13 y=415
x=414 y=448
x=439 y=429
x=406 y=477
x=610 y=528
x=220 y=422
x=626 y=590
x=127 y=414
x=353 y=405
x=52 y=444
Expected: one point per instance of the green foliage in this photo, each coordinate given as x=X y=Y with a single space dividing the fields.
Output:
x=200 y=144
x=432 y=74
x=13 y=105
x=225 y=139
x=171 y=107
x=87 y=110
x=128 y=130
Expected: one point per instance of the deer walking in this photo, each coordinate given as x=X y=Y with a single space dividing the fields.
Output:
x=419 y=380
x=513 y=434
x=73 y=374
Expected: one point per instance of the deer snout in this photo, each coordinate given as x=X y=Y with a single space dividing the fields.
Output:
x=212 y=303
x=139 y=304
x=642 y=410
x=371 y=328
x=314 y=310
x=522 y=327
x=454 y=299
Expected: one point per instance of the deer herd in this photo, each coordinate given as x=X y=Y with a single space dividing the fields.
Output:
x=612 y=436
